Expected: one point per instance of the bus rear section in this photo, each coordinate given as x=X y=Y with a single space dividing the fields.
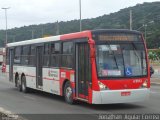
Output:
x=120 y=73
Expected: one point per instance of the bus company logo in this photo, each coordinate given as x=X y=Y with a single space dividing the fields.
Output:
x=52 y=73
x=137 y=81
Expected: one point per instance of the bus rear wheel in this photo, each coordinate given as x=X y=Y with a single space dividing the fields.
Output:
x=68 y=93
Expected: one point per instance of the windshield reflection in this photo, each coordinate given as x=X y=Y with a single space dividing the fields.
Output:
x=121 y=60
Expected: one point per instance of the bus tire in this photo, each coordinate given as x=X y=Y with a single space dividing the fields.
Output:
x=68 y=93
x=24 y=87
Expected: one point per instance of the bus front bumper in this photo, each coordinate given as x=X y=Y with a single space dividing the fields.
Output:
x=120 y=96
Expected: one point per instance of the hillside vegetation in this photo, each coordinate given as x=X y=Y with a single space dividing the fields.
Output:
x=145 y=16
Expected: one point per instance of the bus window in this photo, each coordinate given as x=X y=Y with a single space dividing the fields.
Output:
x=32 y=56
x=68 y=48
x=25 y=54
x=17 y=56
x=55 y=54
x=67 y=56
x=46 y=54
x=55 y=48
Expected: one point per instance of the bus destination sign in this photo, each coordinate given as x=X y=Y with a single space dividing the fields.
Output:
x=119 y=37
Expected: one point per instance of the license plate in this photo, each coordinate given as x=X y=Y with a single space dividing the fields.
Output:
x=128 y=93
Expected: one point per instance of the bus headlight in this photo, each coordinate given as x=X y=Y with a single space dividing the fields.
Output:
x=102 y=86
x=144 y=85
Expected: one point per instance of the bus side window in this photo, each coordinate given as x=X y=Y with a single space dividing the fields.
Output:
x=32 y=56
x=25 y=54
x=46 y=54
x=55 y=54
x=67 y=56
x=17 y=55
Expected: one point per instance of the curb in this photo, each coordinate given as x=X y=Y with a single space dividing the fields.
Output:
x=8 y=115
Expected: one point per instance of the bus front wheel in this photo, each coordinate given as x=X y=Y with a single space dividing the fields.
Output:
x=68 y=93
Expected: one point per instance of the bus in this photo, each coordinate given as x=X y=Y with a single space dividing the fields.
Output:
x=95 y=66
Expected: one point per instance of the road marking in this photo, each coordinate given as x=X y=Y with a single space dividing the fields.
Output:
x=28 y=97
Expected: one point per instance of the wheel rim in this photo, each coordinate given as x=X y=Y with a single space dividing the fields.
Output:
x=68 y=93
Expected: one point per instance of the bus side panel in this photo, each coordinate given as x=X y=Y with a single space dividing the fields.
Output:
x=30 y=77
x=51 y=80
x=29 y=72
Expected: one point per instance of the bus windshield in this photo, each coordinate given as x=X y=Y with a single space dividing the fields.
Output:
x=121 y=60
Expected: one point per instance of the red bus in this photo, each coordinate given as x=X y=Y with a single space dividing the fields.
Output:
x=97 y=67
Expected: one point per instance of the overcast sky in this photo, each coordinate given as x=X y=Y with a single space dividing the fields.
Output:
x=28 y=12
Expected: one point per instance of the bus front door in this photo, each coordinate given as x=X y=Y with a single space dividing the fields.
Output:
x=82 y=70
x=39 y=58
x=11 y=65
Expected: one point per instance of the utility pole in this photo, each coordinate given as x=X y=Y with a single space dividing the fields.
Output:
x=130 y=20
x=80 y=21
x=5 y=9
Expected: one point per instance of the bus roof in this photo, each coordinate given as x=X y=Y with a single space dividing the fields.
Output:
x=33 y=41
x=52 y=38
x=69 y=36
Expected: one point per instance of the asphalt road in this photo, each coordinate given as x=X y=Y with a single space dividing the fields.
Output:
x=37 y=103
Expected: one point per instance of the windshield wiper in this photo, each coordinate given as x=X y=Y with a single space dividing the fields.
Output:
x=113 y=56
x=135 y=52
